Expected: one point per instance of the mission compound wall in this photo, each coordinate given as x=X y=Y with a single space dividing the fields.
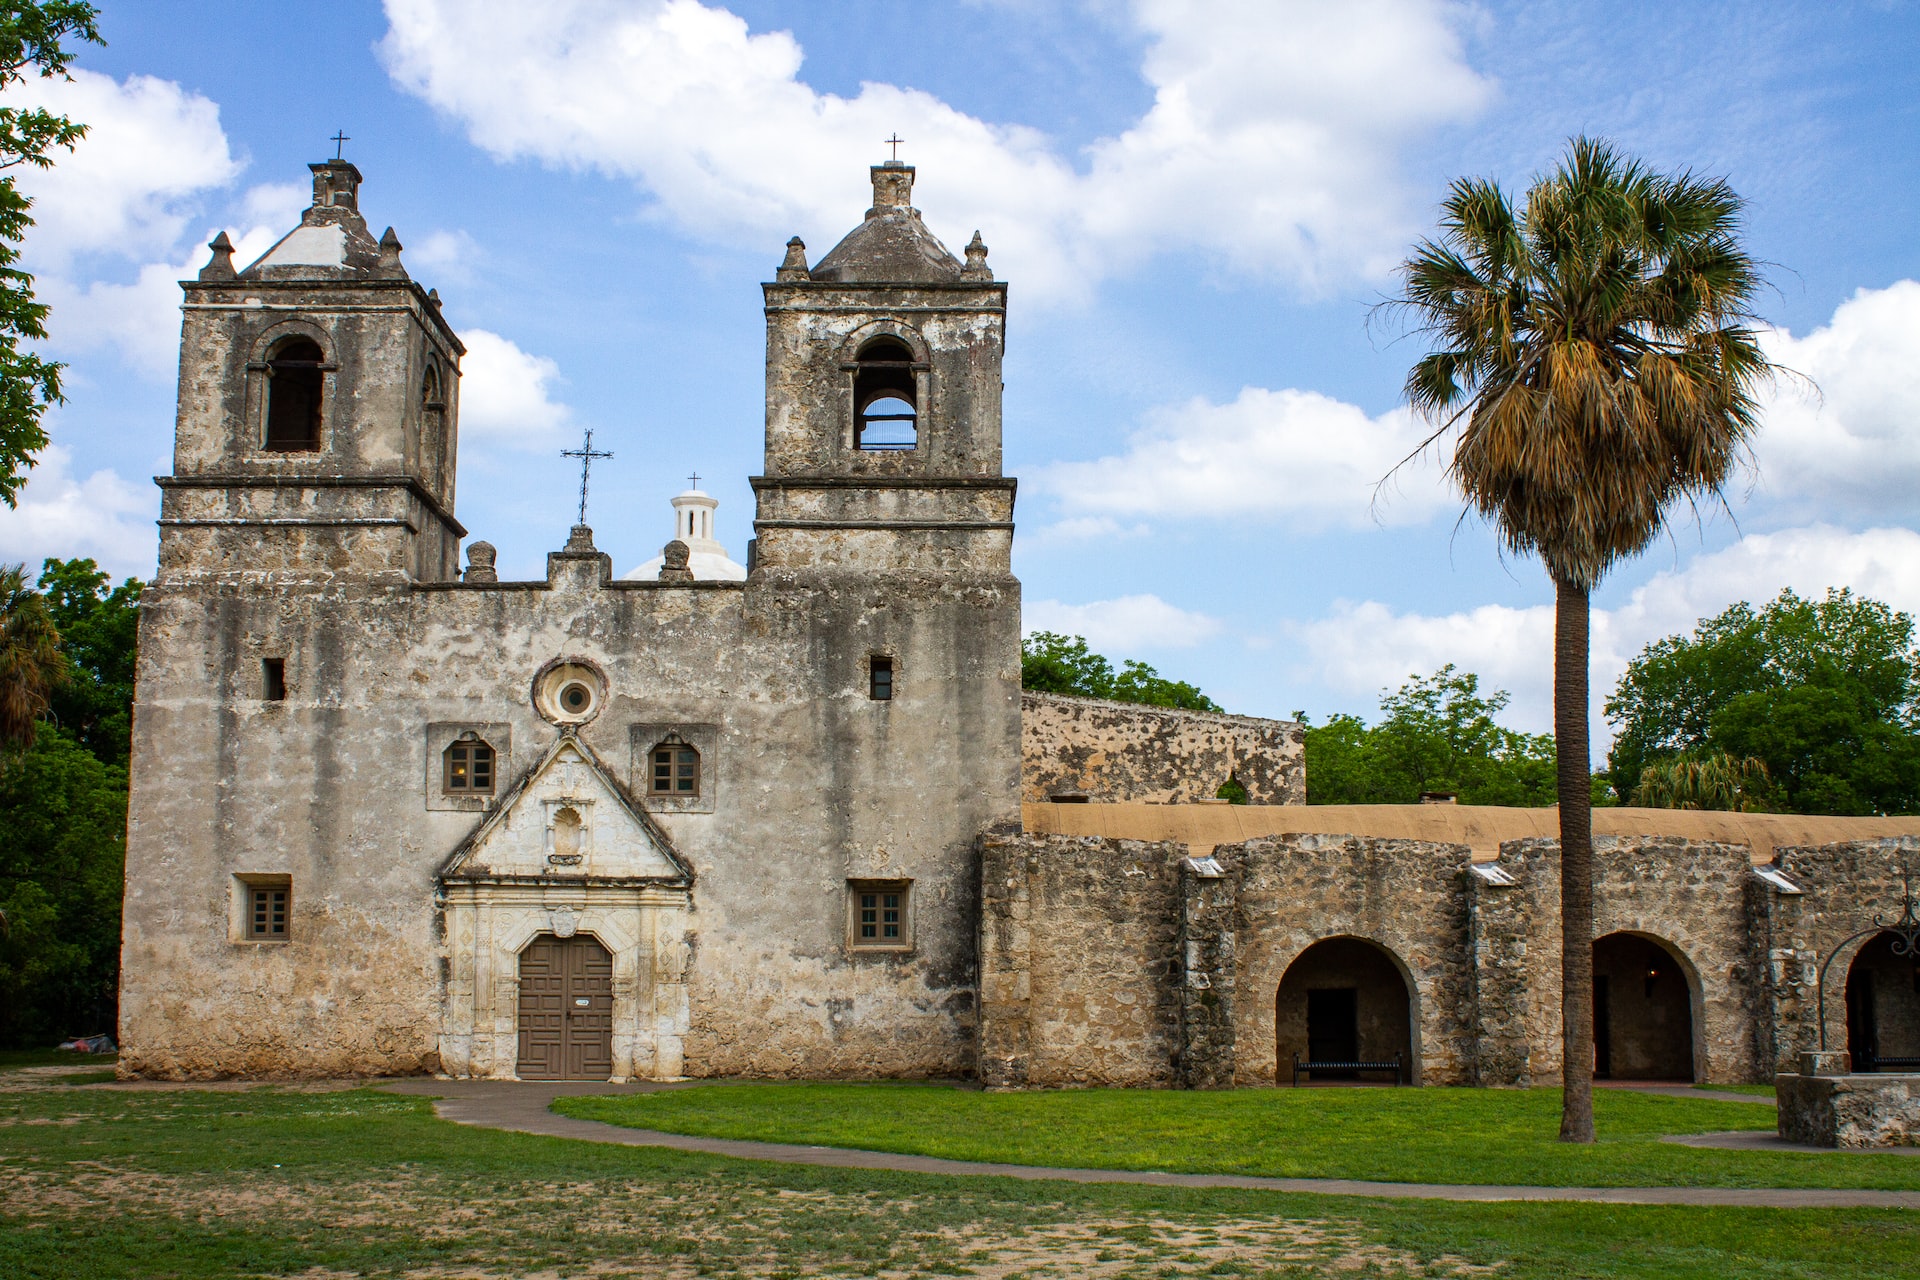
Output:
x=1193 y=982
x=1107 y=751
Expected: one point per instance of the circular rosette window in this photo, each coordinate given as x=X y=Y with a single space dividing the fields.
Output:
x=569 y=692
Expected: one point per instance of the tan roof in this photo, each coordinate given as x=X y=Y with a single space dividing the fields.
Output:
x=1481 y=827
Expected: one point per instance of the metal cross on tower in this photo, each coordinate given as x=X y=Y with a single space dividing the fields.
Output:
x=340 y=141
x=586 y=453
x=693 y=481
x=895 y=142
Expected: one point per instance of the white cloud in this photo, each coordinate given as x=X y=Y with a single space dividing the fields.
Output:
x=102 y=516
x=506 y=393
x=1122 y=627
x=1272 y=138
x=448 y=254
x=1293 y=454
x=1366 y=647
x=126 y=188
x=1851 y=450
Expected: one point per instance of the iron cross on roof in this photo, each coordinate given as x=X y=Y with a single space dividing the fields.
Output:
x=586 y=453
x=693 y=481
x=895 y=142
x=340 y=141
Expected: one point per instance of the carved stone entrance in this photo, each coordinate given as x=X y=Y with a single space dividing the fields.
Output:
x=566 y=1010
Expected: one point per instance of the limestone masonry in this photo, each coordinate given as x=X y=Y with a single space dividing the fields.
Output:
x=391 y=814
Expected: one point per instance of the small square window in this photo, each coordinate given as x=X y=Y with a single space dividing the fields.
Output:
x=266 y=917
x=880 y=915
x=675 y=770
x=880 y=679
x=273 y=679
x=469 y=768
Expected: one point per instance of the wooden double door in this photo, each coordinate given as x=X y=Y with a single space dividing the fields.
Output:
x=566 y=1009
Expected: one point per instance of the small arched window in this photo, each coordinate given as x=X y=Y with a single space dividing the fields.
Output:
x=293 y=396
x=674 y=770
x=468 y=767
x=885 y=398
x=430 y=391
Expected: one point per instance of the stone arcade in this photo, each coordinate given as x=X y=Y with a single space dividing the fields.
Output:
x=799 y=820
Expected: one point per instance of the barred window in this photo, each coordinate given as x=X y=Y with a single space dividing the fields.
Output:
x=675 y=770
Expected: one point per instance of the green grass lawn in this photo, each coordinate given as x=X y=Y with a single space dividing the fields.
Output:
x=1397 y=1135
x=1757 y=1090
x=110 y=1184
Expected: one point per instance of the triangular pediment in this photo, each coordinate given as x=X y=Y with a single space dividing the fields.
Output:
x=567 y=818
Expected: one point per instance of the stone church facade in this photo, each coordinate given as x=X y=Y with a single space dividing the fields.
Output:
x=390 y=815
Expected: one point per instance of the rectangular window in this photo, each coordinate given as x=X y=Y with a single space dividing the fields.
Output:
x=676 y=771
x=266 y=919
x=880 y=679
x=469 y=769
x=273 y=679
x=880 y=916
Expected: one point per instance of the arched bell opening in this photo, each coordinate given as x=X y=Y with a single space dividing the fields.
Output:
x=1645 y=995
x=1883 y=1007
x=886 y=398
x=1345 y=1000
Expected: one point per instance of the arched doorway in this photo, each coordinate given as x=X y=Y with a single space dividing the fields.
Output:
x=1642 y=1011
x=566 y=1009
x=1344 y=1000
x=1883 y=1008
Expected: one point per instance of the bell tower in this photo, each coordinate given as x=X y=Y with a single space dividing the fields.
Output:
x=319 y=398
x=883 y=403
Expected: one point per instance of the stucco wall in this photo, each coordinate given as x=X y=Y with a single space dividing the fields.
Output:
x=1116 y=751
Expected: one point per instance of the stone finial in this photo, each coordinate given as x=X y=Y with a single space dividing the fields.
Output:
x=673 y=562
x=220 y=266
x=794 y=265
x=480 y=557
x=390 y=255
x=580 y=538
x=892 y=187
x=976 y=268
x=433 y=299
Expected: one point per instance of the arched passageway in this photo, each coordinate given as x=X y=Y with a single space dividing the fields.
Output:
x=1344 y=1000
x=1642 y=1011
x=1883 y=1008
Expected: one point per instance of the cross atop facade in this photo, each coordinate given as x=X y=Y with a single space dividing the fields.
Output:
x=693 y=481
x=340 y=141
x=895 y=142
x=586 y=453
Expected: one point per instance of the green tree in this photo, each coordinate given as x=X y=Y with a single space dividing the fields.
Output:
x=63 y=824
x=1595 y=362
x=33 y=40
x=31 y=664
x=1053 y=663
x=1825 y=694
x=1436 y=733
x=98 y=626
x=1717 y=781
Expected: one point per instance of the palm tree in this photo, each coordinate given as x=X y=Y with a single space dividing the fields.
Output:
x=31 y=664
x=1595 y=362
x=1718 y=781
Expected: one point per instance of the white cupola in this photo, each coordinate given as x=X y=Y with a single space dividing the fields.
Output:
x=693 y=525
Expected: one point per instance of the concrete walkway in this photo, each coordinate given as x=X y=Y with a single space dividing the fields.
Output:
x=522 y=1107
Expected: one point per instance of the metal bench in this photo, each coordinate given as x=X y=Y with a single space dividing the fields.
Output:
x=1308 y=1068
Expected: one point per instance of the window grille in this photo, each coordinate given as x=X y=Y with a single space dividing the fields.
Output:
x=881 y=918
x=267 y=913
x=469 y=769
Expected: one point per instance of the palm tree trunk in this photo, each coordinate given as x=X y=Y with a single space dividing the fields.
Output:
x=1572 y=751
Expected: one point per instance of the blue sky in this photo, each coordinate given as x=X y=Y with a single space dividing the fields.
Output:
x=1195 y=205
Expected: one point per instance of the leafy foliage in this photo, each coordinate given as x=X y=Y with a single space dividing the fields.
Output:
x=63 y=823
x=1436 y=733
x=1716 y=781
x=1825 y=694
x=1053 y=663
x=33 y=41
x=31 y=663
x=97 y=631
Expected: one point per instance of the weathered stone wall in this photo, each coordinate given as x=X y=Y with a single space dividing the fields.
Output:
x=1850 y=1112
x=1079 y=961
x=1402 y=897
x=1110 y=751
x=1843 y=887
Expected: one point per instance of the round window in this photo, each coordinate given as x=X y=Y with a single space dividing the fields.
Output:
x=569 y=692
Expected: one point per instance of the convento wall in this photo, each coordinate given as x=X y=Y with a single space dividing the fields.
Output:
x=796 y=818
